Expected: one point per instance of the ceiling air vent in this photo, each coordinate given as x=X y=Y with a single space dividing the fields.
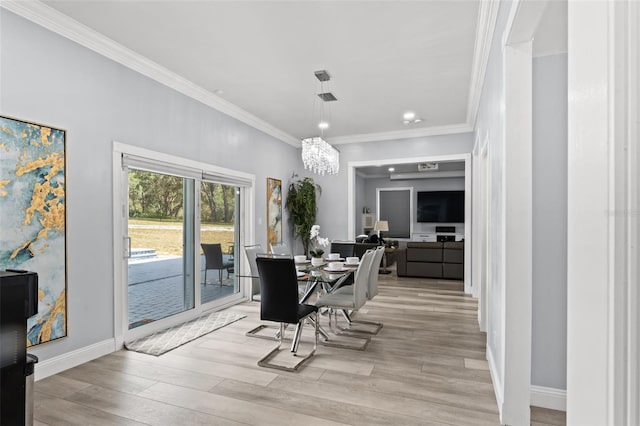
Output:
x=423 y=167
x=327 y=97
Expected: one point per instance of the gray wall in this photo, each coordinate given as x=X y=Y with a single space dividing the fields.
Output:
x=549 y=326
x=332 y=206
x=549 y=210
x=444 y=184
x=48 y=79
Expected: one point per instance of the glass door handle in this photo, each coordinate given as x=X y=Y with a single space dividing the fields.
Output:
x=127 y=248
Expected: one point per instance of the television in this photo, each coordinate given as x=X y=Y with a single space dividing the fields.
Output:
x=441 y=206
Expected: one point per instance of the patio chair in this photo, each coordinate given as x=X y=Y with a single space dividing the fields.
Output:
x=214 y=260
x=279 y=302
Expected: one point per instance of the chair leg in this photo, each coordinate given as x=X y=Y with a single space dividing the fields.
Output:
x=365 y=340
x=317 y=330
x=296 y=337
x=377 y=326
x=345 y=314
x=220 y=276
x=205 y=277
x=254 y=333
x=264 y=361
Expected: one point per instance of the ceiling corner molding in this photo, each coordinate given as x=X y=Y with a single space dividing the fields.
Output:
x=487 y=17
x=402 y=134
x=523 y=21
x=49 y=18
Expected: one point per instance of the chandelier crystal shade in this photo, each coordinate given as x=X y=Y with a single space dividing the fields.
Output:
x=320 y=157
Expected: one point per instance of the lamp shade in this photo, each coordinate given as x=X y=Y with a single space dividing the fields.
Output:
x=381 y=226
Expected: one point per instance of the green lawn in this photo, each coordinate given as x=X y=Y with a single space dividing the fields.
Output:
x=166 y=236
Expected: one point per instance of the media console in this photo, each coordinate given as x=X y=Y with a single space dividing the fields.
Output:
x=431 y=260
x=432 y=237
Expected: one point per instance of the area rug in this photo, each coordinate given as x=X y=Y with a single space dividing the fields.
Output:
x=171 y=338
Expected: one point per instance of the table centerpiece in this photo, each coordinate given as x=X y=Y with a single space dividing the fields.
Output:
x=317 y=242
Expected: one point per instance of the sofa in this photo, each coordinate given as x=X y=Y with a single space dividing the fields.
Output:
x=361 y=248
x=431 y=260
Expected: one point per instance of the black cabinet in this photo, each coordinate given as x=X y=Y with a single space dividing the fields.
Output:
x=18 y=301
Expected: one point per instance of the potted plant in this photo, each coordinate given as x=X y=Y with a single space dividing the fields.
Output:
x=302 y=208
x=316 y=241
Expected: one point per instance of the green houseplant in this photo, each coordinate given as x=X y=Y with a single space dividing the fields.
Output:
x=302 y=207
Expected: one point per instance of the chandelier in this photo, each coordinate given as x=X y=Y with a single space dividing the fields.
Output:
x=318 y=155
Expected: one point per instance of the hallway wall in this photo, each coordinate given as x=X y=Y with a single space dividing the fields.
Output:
x=549 y=304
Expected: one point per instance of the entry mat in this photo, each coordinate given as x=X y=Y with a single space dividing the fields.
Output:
x=171 y=338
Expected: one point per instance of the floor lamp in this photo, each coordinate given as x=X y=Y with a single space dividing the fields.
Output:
x=380 y=227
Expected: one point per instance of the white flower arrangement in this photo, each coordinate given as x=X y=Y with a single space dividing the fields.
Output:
x=317 y=240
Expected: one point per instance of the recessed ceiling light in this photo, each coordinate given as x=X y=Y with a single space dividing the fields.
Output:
x=323 y=125
x=410 y=117
x=392 y=169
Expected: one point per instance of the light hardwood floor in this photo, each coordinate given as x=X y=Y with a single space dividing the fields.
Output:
x=426 y=367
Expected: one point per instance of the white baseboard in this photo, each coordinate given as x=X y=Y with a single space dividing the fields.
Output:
x=495 y=379
x=72 y=359
x=554 y=399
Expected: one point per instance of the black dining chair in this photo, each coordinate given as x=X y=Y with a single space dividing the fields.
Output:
x=214 y=260
x=345 y=248
x=279 y=302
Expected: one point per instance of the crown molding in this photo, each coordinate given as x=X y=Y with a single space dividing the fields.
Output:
x=485 y=29
x=402 y=134
x=61 y=24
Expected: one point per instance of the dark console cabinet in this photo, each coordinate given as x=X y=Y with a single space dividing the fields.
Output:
x=431 y=260
x=18 y=301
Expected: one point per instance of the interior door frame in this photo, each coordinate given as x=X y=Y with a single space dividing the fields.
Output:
x=466 y=157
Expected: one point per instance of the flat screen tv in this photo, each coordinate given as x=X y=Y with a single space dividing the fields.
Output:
x=441 y=206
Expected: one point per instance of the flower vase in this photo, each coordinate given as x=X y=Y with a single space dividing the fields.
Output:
x=317 y=261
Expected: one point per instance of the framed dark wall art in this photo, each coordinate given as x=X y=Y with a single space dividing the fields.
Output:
x=33 y=212
x=274 y=211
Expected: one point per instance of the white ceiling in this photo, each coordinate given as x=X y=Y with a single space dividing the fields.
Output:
x=385 y=57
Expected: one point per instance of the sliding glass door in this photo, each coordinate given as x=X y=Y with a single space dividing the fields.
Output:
x=219 y=235
x=180 y=230
x=160 y=226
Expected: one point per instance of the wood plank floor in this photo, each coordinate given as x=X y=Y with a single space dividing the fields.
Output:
x=426 y=367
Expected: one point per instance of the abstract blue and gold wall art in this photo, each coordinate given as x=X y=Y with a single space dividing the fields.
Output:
x=33 y=218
